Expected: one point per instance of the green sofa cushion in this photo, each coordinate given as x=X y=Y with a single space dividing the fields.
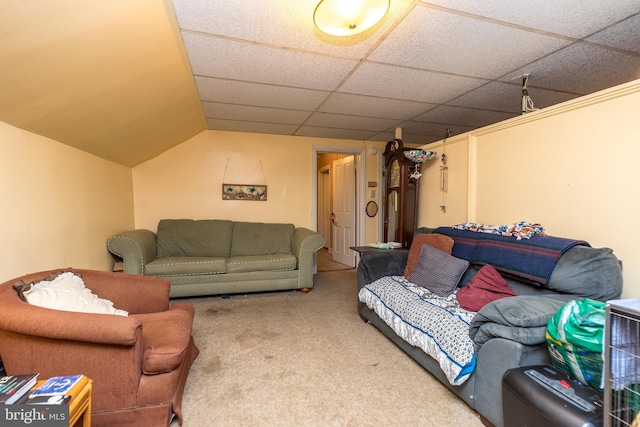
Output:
x=255 y=238
x=195 y=238
x=276 y=262
x=176 y=266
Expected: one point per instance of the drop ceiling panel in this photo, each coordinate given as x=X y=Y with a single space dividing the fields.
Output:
x=507 y=97
x=418 y=41
x=327 y=132
x=279 y=23
x=251 y=127
x=432 y=131
x=473 y=117
x=406 y=83
x=350 y=122
x=262 y=95
x=625 y=35
x=214 y=110
x=573 y=18
x=359 y=105
x=222 y=58
x=576 y=69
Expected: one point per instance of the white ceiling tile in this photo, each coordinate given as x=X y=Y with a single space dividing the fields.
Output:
x=251 y=127
x=216 y=57
x=359 y=105
x=573 y=18
x=247 y=93
x=215 y=110
x=407 y=84
x=433 y=130
x=576 y=69
x=500 y=49
x=322 y=132
x=507 y=97
x=283 y=23
x=625 y=35
x=474 y=117
x=343 y=121
x=408 y=139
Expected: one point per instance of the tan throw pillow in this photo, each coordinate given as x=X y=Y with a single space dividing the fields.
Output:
x=435 y=240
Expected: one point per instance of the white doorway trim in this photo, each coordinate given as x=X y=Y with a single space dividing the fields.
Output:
x=324 y=204
x=360 y=185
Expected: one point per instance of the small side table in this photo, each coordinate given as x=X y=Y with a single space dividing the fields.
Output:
x=80 y=406
x=363 y=249
x=80 y=403
x=366 y=249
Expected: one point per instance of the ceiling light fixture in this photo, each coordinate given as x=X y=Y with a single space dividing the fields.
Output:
x=348 y=17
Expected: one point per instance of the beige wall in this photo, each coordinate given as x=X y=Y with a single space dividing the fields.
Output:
x=454 y=200
x=186 y=181
x=572 y=168
x=59 y=205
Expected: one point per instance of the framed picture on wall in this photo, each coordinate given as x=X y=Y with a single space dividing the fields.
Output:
x=244 y=192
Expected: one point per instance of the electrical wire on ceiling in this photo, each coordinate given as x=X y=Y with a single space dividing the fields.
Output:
x=527 y=102
x=444 y=171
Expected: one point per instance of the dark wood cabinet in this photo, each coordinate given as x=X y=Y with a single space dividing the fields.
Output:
x=401 y=195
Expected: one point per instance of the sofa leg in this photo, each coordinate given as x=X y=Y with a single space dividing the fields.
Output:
x=305 y=290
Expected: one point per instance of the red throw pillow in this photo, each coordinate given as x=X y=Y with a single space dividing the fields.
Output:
x=486 y=286
x=435 y=240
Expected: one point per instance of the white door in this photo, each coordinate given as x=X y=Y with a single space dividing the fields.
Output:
x=344 y=210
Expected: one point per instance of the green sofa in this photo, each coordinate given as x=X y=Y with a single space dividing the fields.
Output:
x=219 y=257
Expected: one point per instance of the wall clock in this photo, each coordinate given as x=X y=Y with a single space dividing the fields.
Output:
x=372 y=209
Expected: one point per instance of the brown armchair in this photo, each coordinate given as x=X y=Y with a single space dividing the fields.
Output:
x=139 y=364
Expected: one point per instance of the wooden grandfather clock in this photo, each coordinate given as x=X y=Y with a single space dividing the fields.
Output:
x=401 y=195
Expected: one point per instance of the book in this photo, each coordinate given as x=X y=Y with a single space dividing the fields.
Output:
x=57 y=385
x=13 y=387
x=47 y=400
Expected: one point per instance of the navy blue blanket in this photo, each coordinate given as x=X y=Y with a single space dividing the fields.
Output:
x=532 y=259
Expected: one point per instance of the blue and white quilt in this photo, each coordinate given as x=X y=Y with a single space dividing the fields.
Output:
x=437 y=325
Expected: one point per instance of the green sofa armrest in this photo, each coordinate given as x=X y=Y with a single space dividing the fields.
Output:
x=137 y=248
x=305 y=242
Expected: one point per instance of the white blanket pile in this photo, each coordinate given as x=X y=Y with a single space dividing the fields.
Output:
x=434 y=324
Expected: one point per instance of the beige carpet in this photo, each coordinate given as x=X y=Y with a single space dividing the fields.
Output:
x=294 y=359
x=325 y=262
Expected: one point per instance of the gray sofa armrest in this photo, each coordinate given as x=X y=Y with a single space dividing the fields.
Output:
x=304 y=244
x=374 y=265
x=495 y=358
x=521 y=319
x=137 y=248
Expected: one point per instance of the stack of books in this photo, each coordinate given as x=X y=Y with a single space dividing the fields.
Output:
x=57 y=390
x=13 y=387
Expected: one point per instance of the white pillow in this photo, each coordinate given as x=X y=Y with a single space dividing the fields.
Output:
x=67 y=292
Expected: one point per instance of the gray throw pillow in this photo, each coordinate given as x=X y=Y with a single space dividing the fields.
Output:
x=437 y=271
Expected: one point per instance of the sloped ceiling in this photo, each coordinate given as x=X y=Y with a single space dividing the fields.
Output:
x=108 y=77
x=127 y=80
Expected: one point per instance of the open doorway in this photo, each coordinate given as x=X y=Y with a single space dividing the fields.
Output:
x=339 y=220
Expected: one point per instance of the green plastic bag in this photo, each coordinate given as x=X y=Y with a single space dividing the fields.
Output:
x=574 y=339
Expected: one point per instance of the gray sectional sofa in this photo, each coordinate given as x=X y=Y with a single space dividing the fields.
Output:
x=217 y=257
x=506 y=333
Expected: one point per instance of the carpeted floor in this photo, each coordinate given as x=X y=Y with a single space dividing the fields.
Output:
x=294 y=359
x=325 y=262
